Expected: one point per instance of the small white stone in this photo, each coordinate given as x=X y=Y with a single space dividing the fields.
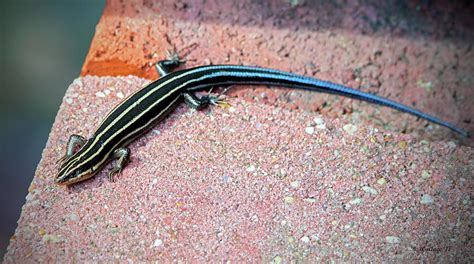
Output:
x=250 y=168
x=321 y=127
x=107 y=91
x=295 y=184
x=370 y=190
x=289 y=200
x=310 y=200
x=356 y=201
x=120 y=95
x=74 y=217
x=451 y=144
x=305 y=239
x=381 y=181
x=425 y=174
x=69 y=100
x=318 y=121
x=392 y=239
x=427 y=199
x=100 y=94
x=52 y=238
x=77 y=82
x=350 y=128
x=158 y=242
x=309 y=130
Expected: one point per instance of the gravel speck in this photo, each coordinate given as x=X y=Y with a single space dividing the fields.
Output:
x=277 y=260
x=250 y=168
x=425 y=174
x=100 y=94
x=158 y=242
x=52 y=238
x=295 y=184
x=381 y=181
x=305 y=239
x=370 y=190
x=392 y=239
x=427 y=199
x=289 y=200
x=356 y=201
x=309 y=130
x=350 y=128
x=318 y=121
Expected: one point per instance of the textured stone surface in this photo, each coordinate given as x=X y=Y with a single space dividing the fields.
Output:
x=250 y=182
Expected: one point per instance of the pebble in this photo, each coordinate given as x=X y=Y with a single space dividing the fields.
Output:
x=250 y=168
x=277 y=260
x=77 y=82
x=381 y=181
x=309 y=130
x=52 y=238
x=120 y=95
x=289 y=200
x=318 y=121
x=227 y=178
x=158 y=242
x=356 y=201
x=305 y=239
x=100 y=94
x=74 y=217
x=370 y=190
x=425 y=174
x=426 y=199
x=392 y=239
x=69 y=100
x=350 y=128
x=295 y=184
x=321 y=127
x=310 y=200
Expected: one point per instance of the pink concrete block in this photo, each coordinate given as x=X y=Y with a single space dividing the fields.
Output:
x=248 y=183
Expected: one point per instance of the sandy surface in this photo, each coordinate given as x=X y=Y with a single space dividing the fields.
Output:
x=249 y=182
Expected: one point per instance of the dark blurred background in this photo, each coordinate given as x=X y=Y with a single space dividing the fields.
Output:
x=42 y=47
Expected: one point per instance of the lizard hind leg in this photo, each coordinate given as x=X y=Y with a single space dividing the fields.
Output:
x=74 y=142
x=122 y=157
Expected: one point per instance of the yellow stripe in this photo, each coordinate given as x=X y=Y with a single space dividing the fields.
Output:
x=136 y=117
x=138 y=129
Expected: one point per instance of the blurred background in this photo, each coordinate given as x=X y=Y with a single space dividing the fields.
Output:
x=42 y=48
